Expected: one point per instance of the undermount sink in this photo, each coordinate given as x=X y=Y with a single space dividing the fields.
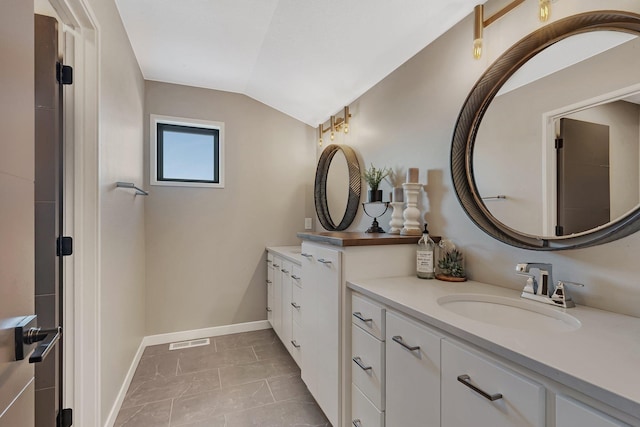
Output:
x=509 y=312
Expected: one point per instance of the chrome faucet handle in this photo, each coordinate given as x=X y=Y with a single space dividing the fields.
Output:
x=560 y=296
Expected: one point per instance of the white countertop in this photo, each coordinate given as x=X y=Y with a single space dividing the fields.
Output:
x=600 y=359
x=291 y=253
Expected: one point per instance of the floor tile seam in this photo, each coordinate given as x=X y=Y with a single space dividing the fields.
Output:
x=170 y=412
x=189 y=396
x=145 y=403
x=273 y=396
x=124 y=422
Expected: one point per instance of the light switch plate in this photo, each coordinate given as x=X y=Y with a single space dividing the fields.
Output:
x=307 y=224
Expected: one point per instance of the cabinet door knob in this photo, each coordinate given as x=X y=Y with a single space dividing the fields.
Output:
x=296 y=306
x=360 y=317
x=295 y=344
x=466 y=380
x=399 y=340
x=360 y=364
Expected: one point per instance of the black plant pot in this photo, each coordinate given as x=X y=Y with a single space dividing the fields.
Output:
x=375 y=195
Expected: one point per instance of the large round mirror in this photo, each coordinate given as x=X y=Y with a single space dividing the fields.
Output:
x=546 y=151
x=337 y=187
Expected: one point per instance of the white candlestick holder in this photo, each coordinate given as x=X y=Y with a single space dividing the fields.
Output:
x=396 y=223
x=411 y=214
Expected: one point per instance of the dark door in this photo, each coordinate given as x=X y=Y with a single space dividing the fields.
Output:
x=16 y=208
x=48 y=216
x=583 y=176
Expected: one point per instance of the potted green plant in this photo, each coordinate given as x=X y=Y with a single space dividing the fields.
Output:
x=374 y=176
x=451 y=263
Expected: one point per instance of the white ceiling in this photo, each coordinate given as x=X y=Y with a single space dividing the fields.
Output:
x=306 y=58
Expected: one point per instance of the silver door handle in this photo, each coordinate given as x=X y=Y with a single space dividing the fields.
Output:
x=276 y=265
x=269 y=309
x=295 y=344
x=27 y=333
x=324 y=261
x=269 y=282
x=293 y=276
x=357 y=423
x=399 y=340
x=359 y=316
x=296 y=306
x=465 y=379
x=306 y=255
x=285 y=271
x=361 y=365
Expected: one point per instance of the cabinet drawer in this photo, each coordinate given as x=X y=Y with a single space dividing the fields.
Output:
x=368 y=315
x=296 y=275
x=296 y=306
x=519 y=401
x=412 y=373
x=367 y=367
x=296 y=343
x=570 y=412
x=363 y=412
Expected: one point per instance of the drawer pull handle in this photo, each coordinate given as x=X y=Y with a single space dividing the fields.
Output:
x=269 y=261
x=284 y=271
x=357 y=423
x=269 y=282
x=306 y=255
x=359 y=316
x=295 y=344
x=324 y=261
x=269 y=309
x=399 y=340
x=276 y=265
x=464 y=379
x=294 y=277
x=359 y=363
x=296 y=306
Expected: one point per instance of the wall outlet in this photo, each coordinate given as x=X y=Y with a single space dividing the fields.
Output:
x=307 y=224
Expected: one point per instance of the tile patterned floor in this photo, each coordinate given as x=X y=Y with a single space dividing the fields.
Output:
x=239 y=380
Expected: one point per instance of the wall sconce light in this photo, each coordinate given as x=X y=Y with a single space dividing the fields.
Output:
x=336 y=124
x=479 y=23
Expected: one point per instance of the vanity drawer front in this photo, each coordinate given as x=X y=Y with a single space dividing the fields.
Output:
x=522 y=402
x=296 y=343
x=368 y=315
x=367 y=365
x=296 y=307
x=363 y=412
x=570 y=412
x=296 y=275
x=412 y=373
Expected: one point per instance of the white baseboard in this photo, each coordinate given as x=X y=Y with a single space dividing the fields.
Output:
x=174 y=337
x=205 y=332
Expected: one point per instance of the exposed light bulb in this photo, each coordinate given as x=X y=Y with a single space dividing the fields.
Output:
x=346 y=128
x=544 y=10
x=320 y=142
x=332 y=135
x=477 y=48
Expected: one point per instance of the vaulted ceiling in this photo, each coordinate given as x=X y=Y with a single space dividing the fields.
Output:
x=306 y=58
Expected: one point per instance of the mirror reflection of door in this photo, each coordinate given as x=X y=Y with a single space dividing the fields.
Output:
x=583 y=176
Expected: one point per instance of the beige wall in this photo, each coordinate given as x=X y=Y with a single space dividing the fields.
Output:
x=407 y=120
x=205 y=246
x=122 y=255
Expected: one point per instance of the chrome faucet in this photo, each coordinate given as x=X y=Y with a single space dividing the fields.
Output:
x=541 y=288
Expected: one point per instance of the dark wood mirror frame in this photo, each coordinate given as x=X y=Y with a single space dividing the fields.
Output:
x=476 y=105
x=320 y=188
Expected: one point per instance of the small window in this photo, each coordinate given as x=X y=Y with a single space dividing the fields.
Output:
x=186 y=152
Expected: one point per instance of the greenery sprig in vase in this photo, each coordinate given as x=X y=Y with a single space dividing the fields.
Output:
x=374 y=176
x=451 y=263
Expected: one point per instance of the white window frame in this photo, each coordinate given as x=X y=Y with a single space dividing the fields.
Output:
x=153 y=149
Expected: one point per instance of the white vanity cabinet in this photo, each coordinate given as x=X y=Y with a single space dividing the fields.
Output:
x=571 y=413
x=412 y=373
x=284 y=284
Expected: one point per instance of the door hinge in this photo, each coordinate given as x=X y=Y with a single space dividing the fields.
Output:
x=64 y=246
x=64 y=74
x=559 y=230
x=65 y=418
x=559 y=143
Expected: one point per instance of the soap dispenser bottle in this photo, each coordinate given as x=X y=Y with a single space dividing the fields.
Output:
x=425 y=259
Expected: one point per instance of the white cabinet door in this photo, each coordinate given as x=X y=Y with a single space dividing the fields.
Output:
x=285 y=297
x=321 y=356
x=412 y=373
x=470 y=382
x=571 y=413
x=277 y=295
x=270 y=288
x=363 y=412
